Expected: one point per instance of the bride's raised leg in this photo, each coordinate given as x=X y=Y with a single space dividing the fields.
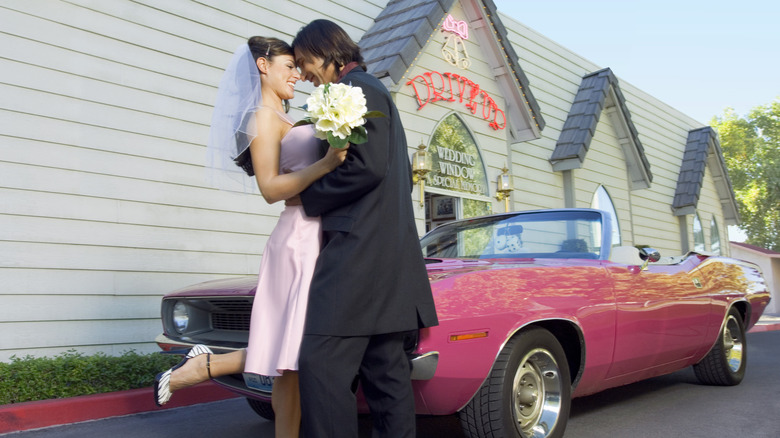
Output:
x=201 y=368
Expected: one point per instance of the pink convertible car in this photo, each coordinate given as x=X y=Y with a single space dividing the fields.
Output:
x=535 y=308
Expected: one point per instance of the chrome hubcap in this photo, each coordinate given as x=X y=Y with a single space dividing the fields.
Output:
x=732 y=344
x=536 y=390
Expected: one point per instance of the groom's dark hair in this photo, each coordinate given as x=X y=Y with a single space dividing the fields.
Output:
x=327 y=40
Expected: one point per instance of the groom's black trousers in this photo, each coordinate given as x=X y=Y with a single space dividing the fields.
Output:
x=328 y=366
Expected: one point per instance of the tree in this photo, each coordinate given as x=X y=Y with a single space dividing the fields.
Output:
x=751 y=148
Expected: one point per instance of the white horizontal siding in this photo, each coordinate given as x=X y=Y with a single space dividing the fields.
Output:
x=555 y=74
x=51 y=324
x=39 y=337
x=79 y=111
x=77 y=207
x=82 y=232
x=606 y=166
x=554 y=78
x=33 y=255
x=98 y=185
x=103 y=123
x=120 y=44
x=45 y=281
x=17 y=308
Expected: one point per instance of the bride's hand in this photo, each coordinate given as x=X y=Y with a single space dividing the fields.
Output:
x=336 y=156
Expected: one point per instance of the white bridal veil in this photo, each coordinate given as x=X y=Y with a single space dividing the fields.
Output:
x=228 y=166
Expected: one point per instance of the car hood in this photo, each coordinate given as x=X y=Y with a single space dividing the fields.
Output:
x=226 y=287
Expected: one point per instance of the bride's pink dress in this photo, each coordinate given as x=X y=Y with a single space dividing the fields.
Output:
x=279 y=309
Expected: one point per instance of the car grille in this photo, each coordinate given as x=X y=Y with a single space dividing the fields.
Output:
x=233 y=305
x=230 y=321
x=231 y=314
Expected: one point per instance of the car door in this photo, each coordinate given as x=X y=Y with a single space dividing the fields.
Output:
x=663 y=316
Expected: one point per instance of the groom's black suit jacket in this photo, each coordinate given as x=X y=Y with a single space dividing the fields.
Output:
x=370 y=277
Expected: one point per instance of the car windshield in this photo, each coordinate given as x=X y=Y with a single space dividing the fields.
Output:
x=557 y=234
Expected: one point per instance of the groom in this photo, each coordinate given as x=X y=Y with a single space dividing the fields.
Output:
x=370 y=284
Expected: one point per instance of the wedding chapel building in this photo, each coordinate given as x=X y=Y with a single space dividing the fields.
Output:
x=105 y=116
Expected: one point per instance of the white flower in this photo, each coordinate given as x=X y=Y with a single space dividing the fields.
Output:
x=338 y=113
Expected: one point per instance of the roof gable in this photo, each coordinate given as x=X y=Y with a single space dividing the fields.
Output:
x=401 y=31
x=599 y=92
x=702 y=150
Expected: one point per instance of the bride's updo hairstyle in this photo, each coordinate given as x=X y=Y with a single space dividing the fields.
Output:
x=266 y=47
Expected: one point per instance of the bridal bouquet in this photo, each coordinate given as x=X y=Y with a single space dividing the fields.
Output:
x=338 y=113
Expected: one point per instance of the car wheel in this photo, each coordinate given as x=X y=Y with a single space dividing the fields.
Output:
x=262 y=408
x=725 y=364
x=531 y=375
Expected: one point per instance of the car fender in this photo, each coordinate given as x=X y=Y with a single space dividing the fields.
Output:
x=465 y=364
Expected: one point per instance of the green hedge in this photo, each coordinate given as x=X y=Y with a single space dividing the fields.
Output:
x=71 y=374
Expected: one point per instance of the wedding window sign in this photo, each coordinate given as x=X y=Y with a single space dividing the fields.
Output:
x=457 y=164
x=434 y=86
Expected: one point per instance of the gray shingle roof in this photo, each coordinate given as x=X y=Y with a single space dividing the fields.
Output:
x=598 y=90
x=401 y=30
x=702 y=149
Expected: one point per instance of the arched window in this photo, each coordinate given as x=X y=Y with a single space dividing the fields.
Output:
x=698 y=234
x=714 y=237
x=602 y=201
x=457 y=163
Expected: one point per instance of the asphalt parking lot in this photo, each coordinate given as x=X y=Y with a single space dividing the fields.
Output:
x=675 y=405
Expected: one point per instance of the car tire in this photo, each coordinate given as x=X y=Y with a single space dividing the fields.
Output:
x=262 y=408
x=527 y=394
x=725 y=363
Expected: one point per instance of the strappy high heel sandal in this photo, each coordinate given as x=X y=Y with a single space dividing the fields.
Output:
x=162 y=381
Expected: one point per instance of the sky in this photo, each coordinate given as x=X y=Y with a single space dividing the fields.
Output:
x=698 y=56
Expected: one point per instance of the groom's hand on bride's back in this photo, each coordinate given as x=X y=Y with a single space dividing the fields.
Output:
x=295 y=200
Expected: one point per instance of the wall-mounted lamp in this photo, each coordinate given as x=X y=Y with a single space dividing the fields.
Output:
x=421 y=165
x=504 y=187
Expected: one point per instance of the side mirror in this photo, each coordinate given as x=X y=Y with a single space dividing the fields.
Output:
x=649 y=255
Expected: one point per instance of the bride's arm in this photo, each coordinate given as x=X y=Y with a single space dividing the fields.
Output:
x=265 y=150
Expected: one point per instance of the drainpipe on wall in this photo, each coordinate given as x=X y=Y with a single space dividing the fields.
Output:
x=569 y=200
x=685 y=245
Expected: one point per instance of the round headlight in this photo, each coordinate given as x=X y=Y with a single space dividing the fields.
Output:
x=181 y=317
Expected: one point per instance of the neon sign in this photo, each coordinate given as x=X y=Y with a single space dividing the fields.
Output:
x=461 y=28
x=453 y=44
x=455 y=87
x=451 y=52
